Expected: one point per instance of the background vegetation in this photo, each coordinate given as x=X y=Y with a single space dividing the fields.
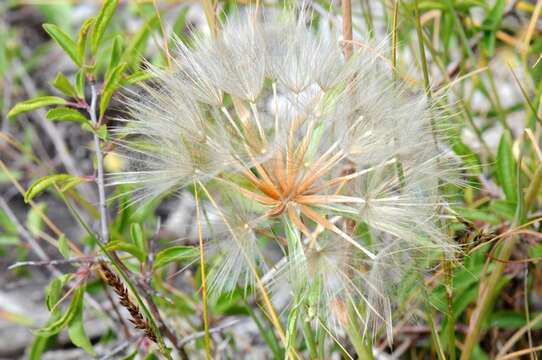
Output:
x=61 y=60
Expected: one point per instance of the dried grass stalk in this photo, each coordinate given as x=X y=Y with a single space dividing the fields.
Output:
x=138 y=320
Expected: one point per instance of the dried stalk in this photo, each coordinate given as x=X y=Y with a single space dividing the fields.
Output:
x=347 y=27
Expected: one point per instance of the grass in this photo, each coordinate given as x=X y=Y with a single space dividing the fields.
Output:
x=474 y=304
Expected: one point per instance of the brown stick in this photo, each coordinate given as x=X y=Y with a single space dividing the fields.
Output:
x=347 y=27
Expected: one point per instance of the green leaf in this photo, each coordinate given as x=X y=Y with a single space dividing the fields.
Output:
x=111 y=83
x=38 y=347
x=175 y=253
x=64 y=41
x=507 y=168
x=292 y=327
x=132 y=55
x=53 y=292
x=56 y=326
x=8 y=226
x=64 y=85
x=136 y=77
x=9 y=240
x=102 y=21
x=3 y=53
x=43 y=183
x=491 y=25
x=34 y=219
x=535 y=250
x=83 y=35
x=80 y=84
x=179 y=26
x=63 y=247
x=35 y=103
x=494 y=17
x=477 y=215
x=66 y=114
x=101 y=132
x=67 y=185
x=503 y=208
x=119 y=245
x=136 y=233
x=510 y=320
x=116 y=53
x=76 y=330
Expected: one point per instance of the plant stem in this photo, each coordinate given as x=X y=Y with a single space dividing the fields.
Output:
x=421 y=46
x=486 y=298
x=368 y=15
x=104 y=236
x=394 y=38
x=363 y=346
x=209 y=8
x=434 y=331
x=207 y=336
x=310 y=338
x=347 y=27
x=450 y=318
x=104 y=227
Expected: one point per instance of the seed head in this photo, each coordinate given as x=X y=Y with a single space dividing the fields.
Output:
x=296 y=147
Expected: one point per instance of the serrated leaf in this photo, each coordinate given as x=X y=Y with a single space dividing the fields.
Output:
x=64 y=41
x=174 y=253
x=507 y=168
x=35 y=103
x=102 y=21
x=66 y=114
x=64 y=85
x=56 y=326
x=83 y=35
x=136 y=234
x=76 y=330
x=43 y=183
x=112 y=81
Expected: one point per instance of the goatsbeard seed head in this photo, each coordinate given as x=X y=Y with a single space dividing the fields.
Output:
x=290 y=144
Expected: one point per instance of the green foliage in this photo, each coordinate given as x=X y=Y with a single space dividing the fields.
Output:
x=507 y=168
x=64 y=181
x=175 y=253
x=65 y=319
x=65 y=42
x=102 y=21
x=66 y=114
x=35 y=103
